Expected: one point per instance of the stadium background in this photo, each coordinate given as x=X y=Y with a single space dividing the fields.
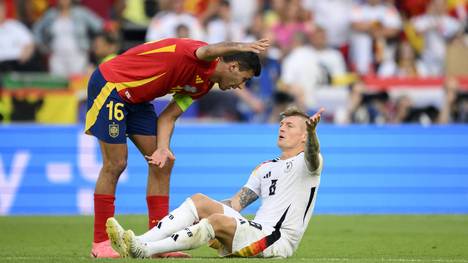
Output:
x=393 y=143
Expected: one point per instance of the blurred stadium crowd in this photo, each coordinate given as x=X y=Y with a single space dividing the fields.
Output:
x=366 y=61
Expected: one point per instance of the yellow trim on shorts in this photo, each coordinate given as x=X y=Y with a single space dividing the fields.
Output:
x=93 y=112
x=184 y=101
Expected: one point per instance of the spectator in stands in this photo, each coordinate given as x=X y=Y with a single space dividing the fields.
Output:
x=16 y=45
x=30 y=11
x=292 y=20
x=331 y=60
x=263 y=87
x=437 y=28
x=406 y=63
x=63 y=32
x=164 y=24
x=407 y=112
x=369 y=107
x=334 y=17
x=281 y=101
x=301 y=72
x=374 y=28
x=106 y=9
x=455 y=107
x=243 y=12
x=222 y=27
x=257 y=105
x=203 y=10
x=105 y=47
x=182 y=31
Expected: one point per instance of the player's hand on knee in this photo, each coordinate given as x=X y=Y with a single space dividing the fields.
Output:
x=160 y=157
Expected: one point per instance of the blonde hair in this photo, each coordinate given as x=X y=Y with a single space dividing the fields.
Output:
x=293 y=111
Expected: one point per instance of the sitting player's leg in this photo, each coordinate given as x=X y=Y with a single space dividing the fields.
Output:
x=115 y=232
x=217 y=226
x=194 y=209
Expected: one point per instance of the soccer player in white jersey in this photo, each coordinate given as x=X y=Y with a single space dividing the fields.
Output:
x=286 y=185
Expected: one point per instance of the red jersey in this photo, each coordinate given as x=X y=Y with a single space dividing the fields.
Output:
x=154 y=69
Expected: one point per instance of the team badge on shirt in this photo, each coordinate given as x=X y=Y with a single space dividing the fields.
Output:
x=289 y=166
x=113 y=130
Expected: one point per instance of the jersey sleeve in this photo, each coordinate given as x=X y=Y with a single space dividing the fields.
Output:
x=191 y=46
x=254 y=181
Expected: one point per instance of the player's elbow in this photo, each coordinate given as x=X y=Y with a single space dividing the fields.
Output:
x=236 y=206
x=205 y=53
x=313 y=161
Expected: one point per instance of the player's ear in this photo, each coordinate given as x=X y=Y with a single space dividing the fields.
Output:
x=304 y=135
x=233 y=66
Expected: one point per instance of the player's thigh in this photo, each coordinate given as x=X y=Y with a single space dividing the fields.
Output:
x=224 y=228
x=142 y=120
x=206 y=206
x=114 y=155
x=107 y=113
x=146 y=144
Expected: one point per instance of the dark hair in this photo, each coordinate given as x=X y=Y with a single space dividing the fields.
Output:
x=225 y=3
x=182 y=26
x=293 y=111
x=247 y=61
x=108 y=38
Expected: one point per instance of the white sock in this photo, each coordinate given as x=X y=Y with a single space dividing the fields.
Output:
x=183 y=216
x=187 y=238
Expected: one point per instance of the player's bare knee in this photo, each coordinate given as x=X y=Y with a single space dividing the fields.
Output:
x=198 y=198
x=222 y=224
x=200 y=202
x=115 y=167
x=160 y=173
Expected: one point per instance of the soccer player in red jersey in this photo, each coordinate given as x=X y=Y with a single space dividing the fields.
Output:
x=119 y=96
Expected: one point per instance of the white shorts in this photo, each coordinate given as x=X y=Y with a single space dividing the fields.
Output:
x=252 y=239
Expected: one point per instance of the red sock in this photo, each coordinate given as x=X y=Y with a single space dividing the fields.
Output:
x=158 y=207
x=103 y=209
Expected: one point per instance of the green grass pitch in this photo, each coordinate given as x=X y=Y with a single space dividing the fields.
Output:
x=357 y=238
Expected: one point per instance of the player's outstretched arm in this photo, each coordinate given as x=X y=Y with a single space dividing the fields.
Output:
x=166 y=122
x=312 y=151
x=242 y=199
x=213 y=51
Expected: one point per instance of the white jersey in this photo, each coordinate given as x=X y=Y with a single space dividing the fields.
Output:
x=287 y=189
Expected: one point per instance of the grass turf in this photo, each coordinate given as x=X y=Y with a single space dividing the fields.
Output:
x=357 y=238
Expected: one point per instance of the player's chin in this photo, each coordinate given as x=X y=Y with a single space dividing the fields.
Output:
x=226 y=87
x=280 y=142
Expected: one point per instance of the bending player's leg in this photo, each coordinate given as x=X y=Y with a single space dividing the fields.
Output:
x=114 y=158
x=157 y=188
x=197 y=207
x=217 y=226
